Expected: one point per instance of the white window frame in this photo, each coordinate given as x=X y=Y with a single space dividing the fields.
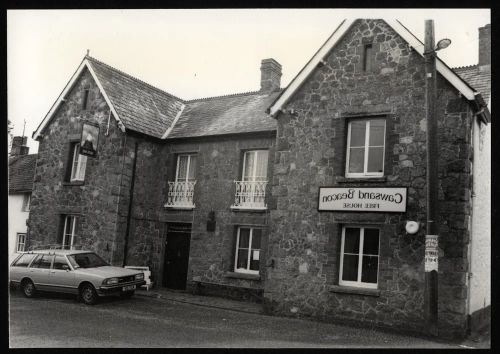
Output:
x=26 y=202
x=365 y=172
x=190 y=156
x=72 y=234
x=250 y=250
x=77 y=171
x=252 y=177
x=359 y=283
x=19 y=243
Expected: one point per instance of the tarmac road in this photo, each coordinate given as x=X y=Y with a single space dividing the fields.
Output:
x=53 y=320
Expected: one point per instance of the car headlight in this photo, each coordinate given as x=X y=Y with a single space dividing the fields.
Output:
x=139 y=276
x=110 y=281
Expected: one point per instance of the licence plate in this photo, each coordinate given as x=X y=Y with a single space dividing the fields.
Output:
x=128 y=288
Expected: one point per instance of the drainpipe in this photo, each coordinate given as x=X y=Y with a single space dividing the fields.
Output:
x=130 y=203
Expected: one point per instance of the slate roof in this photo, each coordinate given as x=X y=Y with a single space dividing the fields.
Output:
x=478 y=77
x=140 y=106
x=232 y=114
x=21 y=173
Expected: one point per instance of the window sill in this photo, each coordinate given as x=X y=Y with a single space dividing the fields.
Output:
x=178 y=207
x=75 y=183
x=354 y=290
x=242 y=275
x=342 y=179
x=243 y=208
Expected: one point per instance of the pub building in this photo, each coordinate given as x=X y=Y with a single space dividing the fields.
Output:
x=309 y=199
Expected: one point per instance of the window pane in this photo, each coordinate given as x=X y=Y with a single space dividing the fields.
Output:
x=261 y=171
x=370 y=241
x=82 y=164
x=242 y=259
x=254 y=260
x=358 y=132
x=350 y=268
x=248 y=168
x=376 y=159
x=351 y=240
x=192 y=168
x=377 y=137
x=369 y=271
x=74 y=168
x=182 y=161
x=25 y=260
x=356 y=160
x=244 y=238
x=59 y=261
x=256 y=234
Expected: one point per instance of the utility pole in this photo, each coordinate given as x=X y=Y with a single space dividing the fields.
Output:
x=431 y=238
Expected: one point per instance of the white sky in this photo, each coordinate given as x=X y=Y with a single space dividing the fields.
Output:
x=191 y=53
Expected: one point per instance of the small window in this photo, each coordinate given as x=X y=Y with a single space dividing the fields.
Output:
x=255 y=165
x=21 y=242
x=26 y=201
x=60 y=262
x=24 y=260
x=68 y=236
x=367 y=57
x=359 y=257
x=78 y=163
x=43 y=261
x=85 y=99
x=186 y=168
x=365 y=148
x=247 y=258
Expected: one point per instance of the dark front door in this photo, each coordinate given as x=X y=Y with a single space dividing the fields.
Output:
x=176 y=256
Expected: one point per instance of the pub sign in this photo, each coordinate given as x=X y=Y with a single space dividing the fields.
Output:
x=390 y=199
x=89 y=140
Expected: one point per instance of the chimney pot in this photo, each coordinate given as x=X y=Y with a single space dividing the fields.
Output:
x=270 y=75
x=485 y=45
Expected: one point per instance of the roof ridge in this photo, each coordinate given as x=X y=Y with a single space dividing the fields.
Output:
x=466 y=66
x=134 y=78
x=248 y=93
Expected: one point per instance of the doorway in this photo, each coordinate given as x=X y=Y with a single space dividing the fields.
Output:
x=175 y=264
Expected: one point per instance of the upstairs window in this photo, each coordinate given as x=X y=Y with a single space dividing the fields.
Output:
x=26 y=202
x=78 y=163
x=365 y=148
x=255 y=166
x=247 y=258
x=186 y=168
x=69 y=231
x=21 y=242
x=367 y=57
x=85 y=98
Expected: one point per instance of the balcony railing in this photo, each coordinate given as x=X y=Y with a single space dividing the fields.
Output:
x=250 y=195
x=180 y=195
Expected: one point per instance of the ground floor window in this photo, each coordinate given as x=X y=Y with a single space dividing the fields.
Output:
x=68 y=236
x=21 y=242
x=359 y=256
x=247 y=257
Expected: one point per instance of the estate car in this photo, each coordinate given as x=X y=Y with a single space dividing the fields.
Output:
x=78 y=272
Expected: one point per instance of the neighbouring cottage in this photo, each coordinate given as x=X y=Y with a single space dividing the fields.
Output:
x=298 y=198
x=21 y=171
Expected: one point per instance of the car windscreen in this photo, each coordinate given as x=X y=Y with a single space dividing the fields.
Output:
x=86 y=260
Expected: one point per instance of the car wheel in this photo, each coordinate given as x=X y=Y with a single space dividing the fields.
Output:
x=127 y=294
x=28 y=288
x=88 y=294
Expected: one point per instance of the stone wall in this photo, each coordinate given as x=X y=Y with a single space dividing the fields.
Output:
x=218 y=166
x=310 y=153
x=96 y=200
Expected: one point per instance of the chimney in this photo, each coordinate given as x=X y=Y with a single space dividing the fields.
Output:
x=19 y=146
x=485 y=45
x=270 y=75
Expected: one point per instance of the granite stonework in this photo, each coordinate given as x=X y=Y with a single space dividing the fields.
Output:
x=211 y=255
x=310 y=152
x=96 y=200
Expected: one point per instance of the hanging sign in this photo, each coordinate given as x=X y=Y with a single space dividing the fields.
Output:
x=89 y=140
x=431 y=253
x=390 y=199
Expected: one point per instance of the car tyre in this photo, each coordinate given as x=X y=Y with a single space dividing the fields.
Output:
x=88 y=294
x=127 y=294
x=28 y=288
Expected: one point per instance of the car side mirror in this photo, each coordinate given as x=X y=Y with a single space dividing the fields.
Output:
x=66 y=267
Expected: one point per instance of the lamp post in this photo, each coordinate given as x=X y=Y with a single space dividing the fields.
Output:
x=431 y=238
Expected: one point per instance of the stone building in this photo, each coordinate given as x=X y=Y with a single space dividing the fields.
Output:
x=239 y=194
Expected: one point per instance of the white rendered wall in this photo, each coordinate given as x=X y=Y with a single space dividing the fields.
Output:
x=17 y=221
x=480 y=251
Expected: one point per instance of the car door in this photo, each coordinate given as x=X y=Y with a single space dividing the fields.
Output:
x=61 y=277
x=39 y=271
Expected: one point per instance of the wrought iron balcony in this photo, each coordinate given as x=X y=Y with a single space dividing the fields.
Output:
x=250 y=195
x=180 y=195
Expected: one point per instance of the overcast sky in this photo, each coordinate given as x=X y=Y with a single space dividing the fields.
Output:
x=190 y=53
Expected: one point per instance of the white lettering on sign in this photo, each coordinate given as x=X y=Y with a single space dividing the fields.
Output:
x=431 y=253
x=362 y=199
